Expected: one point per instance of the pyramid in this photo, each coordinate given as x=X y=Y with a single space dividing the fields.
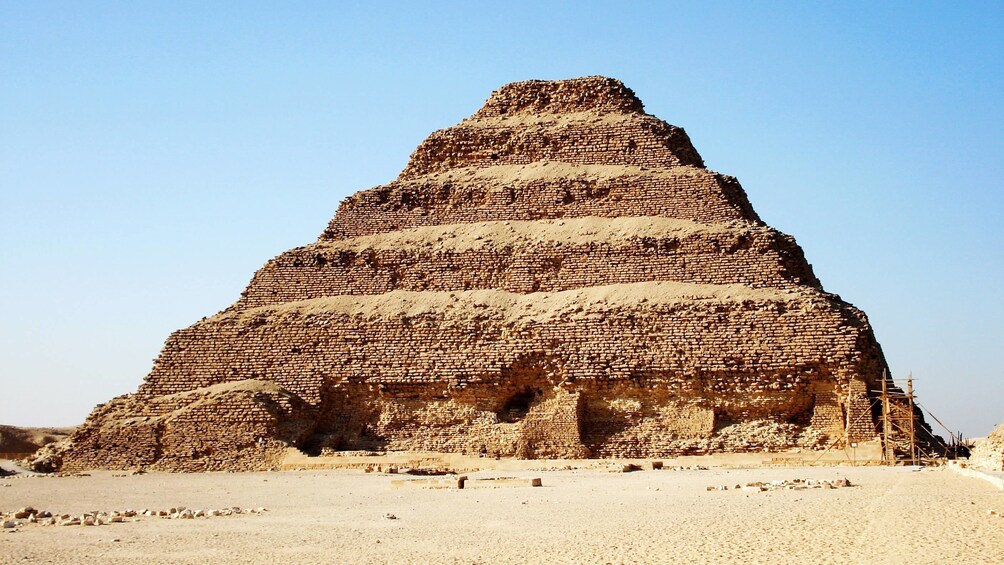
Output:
x=556 y=276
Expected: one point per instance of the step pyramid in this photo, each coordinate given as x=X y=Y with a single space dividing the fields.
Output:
x=556 y=276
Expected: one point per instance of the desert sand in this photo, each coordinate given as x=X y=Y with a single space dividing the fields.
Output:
x=588 y=515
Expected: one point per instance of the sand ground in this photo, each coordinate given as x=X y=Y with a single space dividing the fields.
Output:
x=892 y=515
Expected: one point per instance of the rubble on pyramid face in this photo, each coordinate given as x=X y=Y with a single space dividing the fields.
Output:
x=556 y=276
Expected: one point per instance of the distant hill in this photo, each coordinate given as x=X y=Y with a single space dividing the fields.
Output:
x=15 y=440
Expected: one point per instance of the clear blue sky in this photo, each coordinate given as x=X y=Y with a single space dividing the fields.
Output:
x=153 y=156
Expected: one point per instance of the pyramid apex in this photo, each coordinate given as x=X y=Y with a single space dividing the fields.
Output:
x=584 y=94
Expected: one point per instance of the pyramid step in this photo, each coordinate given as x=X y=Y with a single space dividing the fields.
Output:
x=525 y=257
x=620 y=139
x=542 y=191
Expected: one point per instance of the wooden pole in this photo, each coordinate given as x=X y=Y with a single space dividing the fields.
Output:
x=913 y=435
x=887 y=454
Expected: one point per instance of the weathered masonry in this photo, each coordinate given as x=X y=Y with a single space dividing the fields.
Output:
x=558 y=275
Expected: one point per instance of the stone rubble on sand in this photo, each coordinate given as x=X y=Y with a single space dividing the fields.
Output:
x=30 y=515
x=657 y=466
x=789 y=484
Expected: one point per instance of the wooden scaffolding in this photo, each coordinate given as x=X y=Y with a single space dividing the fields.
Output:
x=899 y=423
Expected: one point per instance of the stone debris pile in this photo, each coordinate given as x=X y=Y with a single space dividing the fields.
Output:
x=787 y=484
x=767 y=435
x=683 y=468
x=463 y=482
x=421 y=471
x=655 y=466
x=988 y=454
x=31 y=515
x=558 y=276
